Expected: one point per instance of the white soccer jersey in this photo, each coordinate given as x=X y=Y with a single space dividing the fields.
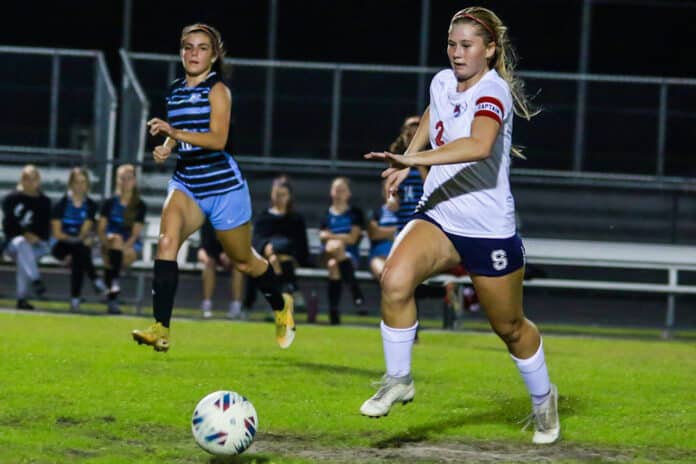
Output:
x=470 y=199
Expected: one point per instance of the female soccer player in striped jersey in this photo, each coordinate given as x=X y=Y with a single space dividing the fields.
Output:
x=206 y=183
x=466 y=214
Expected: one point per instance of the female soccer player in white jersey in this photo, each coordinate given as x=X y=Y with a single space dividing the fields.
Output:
x=206 y=183
x=466 y=213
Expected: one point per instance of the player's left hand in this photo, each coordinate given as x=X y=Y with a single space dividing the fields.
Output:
x=395 y=161
x=157 y=126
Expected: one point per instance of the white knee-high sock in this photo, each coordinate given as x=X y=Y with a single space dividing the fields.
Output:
x=535 y=375
x=397 y=345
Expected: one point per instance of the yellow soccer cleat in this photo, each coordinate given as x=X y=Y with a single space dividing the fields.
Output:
x=285 y=323
x=157 y=336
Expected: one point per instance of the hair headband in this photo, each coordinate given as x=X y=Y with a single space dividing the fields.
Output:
x=461 y=14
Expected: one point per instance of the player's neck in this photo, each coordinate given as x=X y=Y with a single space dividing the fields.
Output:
x=193 y=81
x=466 y=84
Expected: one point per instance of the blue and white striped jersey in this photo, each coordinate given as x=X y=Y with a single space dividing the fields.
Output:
x=204 y=172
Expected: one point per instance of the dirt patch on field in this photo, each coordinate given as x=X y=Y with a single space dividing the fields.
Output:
x=444 y=452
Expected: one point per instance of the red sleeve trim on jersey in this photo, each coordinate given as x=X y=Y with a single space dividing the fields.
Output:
x=492 y=100
x=489 y=107
x=489 y=114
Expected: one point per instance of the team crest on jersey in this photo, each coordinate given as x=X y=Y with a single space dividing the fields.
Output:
x=194 y=97
x=458 y=110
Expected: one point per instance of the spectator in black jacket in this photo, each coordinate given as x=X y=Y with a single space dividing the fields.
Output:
x=26 y=225
x=72 y=225
x=280 y=236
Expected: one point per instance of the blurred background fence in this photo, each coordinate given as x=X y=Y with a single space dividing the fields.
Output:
x=60 y=112
x=609 y=157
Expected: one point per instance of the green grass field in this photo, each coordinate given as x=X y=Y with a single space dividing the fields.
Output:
x=77 y=389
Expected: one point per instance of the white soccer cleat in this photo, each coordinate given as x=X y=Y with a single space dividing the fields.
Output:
x=392 y=390
x=547 y=427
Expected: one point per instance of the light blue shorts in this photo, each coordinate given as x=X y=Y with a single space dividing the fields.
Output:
x=225 y=211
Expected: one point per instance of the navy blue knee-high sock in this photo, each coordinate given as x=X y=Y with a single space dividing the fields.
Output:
x=164 y=286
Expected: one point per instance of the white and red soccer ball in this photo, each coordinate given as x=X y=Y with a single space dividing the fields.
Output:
x=224 y=423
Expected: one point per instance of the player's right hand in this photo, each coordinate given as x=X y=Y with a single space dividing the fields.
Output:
x=394 y=177
x=161 y=153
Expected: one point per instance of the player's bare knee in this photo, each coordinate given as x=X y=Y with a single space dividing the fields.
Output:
x=167 y=247
x=510 y=331
x=395 y=288
x=244 y=267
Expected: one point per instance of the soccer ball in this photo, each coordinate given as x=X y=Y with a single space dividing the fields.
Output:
x=224 y=423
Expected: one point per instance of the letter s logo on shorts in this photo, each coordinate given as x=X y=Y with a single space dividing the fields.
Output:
x=499 y=259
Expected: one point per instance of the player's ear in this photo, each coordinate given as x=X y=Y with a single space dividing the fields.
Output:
x=490 y=50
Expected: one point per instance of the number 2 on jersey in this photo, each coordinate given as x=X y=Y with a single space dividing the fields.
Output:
x=440 y=126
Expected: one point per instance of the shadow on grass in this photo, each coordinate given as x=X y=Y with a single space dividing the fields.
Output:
x=336 y=369
x=508 y=410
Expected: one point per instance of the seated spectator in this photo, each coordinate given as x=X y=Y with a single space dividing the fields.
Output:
x=26 y=225
x=211 y=255
x=381 y=230
x=340 y=233
x=72 y=224
x=280 y=235
x=121 y=220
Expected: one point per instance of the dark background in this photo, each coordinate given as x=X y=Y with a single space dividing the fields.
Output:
x=629 y=37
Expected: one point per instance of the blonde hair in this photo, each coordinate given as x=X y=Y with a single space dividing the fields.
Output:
x=504 y=60
x=343 y=179
x=76 y=171
x=132 y=207
x=28 y=170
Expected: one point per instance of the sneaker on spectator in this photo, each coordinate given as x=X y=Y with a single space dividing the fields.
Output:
x=99 y=286
x=358 y=298
x=39 y=287
x=23 y=303
x=235 y=311
x=112 y=307
x=207 y=309
x=75 y=305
